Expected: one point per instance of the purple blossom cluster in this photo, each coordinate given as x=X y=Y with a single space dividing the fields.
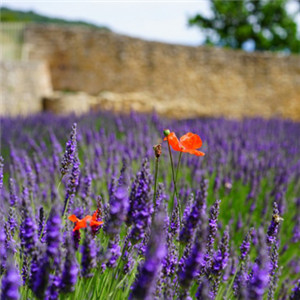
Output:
x=234 y=235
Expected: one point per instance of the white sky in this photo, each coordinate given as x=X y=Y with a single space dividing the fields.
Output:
x=164 y=21
x=157 y=20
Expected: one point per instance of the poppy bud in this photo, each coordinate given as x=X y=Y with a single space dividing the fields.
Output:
x=157 y=150
x=166 y=132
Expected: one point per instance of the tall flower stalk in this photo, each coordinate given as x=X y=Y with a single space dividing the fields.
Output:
x=188 y=143
x=157 y=152
x=167 y=133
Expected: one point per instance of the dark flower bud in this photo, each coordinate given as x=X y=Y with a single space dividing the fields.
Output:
x=157 y=150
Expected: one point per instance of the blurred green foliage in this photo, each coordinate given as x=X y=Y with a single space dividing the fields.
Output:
x=11 y=15
x=263 y=24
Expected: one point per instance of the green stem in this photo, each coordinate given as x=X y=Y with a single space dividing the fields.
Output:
x=155 y=182
x=115 y=271
x=32 y=201
x=59 y=183
x=175 y=186
x=57 y=188
x=178 y=164
x=66 y=205
x=178 y=202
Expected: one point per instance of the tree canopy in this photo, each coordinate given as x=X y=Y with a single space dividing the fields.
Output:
x=12 y=15
x=266 y=24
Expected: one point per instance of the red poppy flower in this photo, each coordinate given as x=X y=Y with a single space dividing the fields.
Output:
x=187 y=143
x=83 y=222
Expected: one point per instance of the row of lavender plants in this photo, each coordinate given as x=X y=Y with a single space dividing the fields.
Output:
x=97 y=214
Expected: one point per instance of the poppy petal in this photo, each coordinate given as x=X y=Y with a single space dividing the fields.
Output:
x=96 y=223
x=194 y=152
x=73 y=218
x=174 y=142
x=80 y=224
x=191 y=141
x=95 y=215
x=87 y=218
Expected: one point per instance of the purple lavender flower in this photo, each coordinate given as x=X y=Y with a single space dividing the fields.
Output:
x=114 y=252
x=274 y=226
x=241 y=276
x=260 y=272
x=10 y=283
x=29 y=175
x=69 y=152
x=203 y=290
x=41 y=225
x=217 y=183
x=140 y=204
x=2 y=249
x=12 y=193
x=57 y=149
x=86 y=189
x=123 y=178
x=34 y=267
x=28 y=232
x=189 y=267
x=73 y=183
x=25 y=269
x=219 y=262
x=296 y=229
x=192 y=220
x=143 y=286
x=273 y=273
x=53 y=236
x=37 y=169
x=76 y=239
x=239 y=223
x=42 y=277
x=245 y=247
x=118 y=211
x=212 y=231
x=129 y=262
x=70 y=269
x=295 y=295
x=240 y=284
x=52 y=292
x=160 y=197
x=170 y=260
x=88 y=250
x=1 y=171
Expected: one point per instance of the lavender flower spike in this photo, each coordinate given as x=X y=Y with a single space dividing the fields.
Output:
x=10 y=283
x=143 y=286
x=295 y=291
x=73 y=183
x=88 y=261
x=212 y=230
x=69 y=152
x=53 y=236
x=245 y=247
x=70 y=270
x=118 y=211
x=140 y=209
x=219 y=262
x=1 y=171
x=260 y=271
x=274 y=226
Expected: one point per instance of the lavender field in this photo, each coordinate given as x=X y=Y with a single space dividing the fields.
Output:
x=90 y=211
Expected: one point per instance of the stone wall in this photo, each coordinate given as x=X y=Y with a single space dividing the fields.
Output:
x=23 y=84
x=204 y=81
